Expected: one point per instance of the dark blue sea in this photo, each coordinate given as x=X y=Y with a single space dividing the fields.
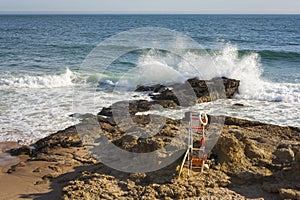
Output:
x=44 y=57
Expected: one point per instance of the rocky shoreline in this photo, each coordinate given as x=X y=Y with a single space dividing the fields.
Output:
x=251 y=160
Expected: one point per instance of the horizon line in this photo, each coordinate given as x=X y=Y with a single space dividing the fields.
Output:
x=137 y=13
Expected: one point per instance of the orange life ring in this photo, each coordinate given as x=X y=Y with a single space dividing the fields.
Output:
x=203 y=118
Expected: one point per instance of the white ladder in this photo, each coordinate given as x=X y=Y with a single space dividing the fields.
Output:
x=195 y=157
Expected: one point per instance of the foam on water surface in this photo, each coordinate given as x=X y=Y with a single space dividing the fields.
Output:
x=32 y=107
x=46 y=81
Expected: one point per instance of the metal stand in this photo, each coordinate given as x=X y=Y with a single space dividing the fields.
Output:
x=195 y=157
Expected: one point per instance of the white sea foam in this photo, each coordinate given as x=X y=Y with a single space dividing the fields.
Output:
x=278 y=113
x=264 y=100
x=53 y=96
x=151 y=68
x=28 y=114
x=247 y=69
x=155 y=68
x=45 y=81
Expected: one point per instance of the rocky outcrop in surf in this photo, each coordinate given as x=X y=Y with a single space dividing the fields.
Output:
x=263 y=158
x=193 y=90
x=174 y=95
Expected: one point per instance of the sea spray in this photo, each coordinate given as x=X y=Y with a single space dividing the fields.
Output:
x=154 y=67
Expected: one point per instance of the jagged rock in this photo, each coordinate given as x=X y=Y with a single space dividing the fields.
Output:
x=242 y=142
x=181 y=94
x=172 y=96
x=134 y=106
x=238 y=104
x=229 y=150
x=297 y=162
x=241 y=122
x=24 y=150
x=251 y=151
x=37 y=170
x=289 y=194
x=40 y=182
x=231 y=86
x=283 y=156
x=271 y=187
x=151 y=88
x=65 y=138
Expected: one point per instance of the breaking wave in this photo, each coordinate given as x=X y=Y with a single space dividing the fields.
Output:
x=155 y=67
x=46 y=81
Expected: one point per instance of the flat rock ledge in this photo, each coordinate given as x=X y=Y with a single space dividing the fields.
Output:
x=250 y=160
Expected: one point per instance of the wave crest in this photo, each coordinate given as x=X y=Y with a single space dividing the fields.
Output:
x=155 y=67
x=45 y=81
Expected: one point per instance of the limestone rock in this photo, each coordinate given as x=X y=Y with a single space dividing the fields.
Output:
x=289 y=194
x=297 y=162
x=24 y=150
x=271 y=187
x=283 y=156
x=195 y=90
x=243 y=154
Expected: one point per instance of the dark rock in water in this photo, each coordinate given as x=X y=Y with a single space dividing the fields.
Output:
x=24 y=150
x=105 y=119
x=193 y=90
x=135 y=106
x=231 y=86
x=214 y=87
x=106 y=111
x=181 y=94
x=238 y=104
x=178 y=94
x=131 y=107
x=165 y=94
x=152 y=88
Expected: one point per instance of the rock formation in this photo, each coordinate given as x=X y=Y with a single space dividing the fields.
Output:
x=250 y=160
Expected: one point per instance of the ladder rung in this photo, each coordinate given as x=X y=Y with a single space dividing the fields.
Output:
x=197 y=161
x=197 y=128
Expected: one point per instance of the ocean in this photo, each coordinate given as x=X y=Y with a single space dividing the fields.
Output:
x=42 y=74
